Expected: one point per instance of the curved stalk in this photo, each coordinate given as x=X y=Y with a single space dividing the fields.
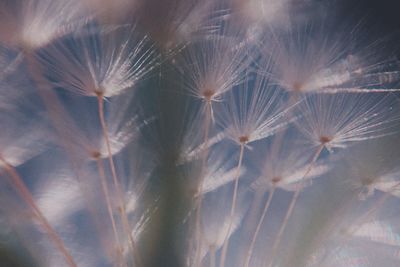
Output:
x=23 y=191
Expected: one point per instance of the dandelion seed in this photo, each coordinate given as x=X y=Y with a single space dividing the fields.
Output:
x=100 y=62
x=335 y=121
x=315 y=58
x=255 y=112
x=378 y=231
x=212 y=67
x=332 y=123
x=112 y=62
x=368 y=183
x=283 y=167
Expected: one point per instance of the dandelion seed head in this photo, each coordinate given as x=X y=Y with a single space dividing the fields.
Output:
x=319 y=57
x=95 y=155
x=102 y=62
x=212 y=67
x=255 y=111
x=276 y=179
x=208 y=94
x=243 y=139
x=337 y=120
x=297 y=86
x=325 y=139
x=282 y=162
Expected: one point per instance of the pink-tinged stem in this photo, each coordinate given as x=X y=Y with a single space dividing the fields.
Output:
x=116 y=182
x=106 y=194
x=292 y=204
x=199 y=203
x=253 y=241
x=23 y=191
x=233 y=207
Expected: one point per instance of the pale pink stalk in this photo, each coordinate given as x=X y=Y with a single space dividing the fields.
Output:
x=106 y=194
x=260 y=222
x=117 y=184
x=23 y=191
x=233 y=207
x=203 y=173
x=292 y=204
